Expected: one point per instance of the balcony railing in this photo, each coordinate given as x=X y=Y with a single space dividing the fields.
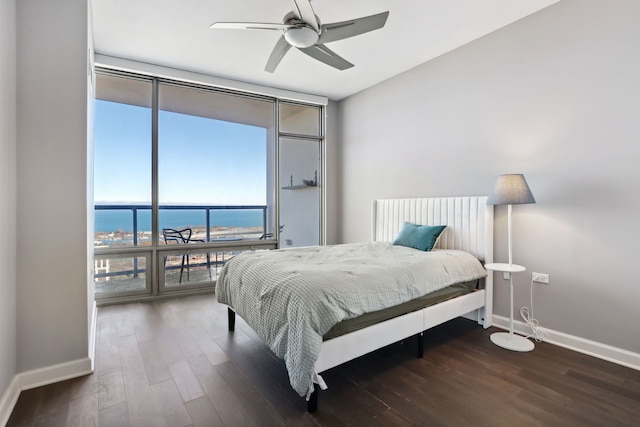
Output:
x=206 y=209
x=129 y=233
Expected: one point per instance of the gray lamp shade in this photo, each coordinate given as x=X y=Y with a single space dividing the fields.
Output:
x=511 y=189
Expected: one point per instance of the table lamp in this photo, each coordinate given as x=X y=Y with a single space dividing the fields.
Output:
x=511 y=189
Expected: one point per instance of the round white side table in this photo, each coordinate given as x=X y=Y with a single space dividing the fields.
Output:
x=509 y=340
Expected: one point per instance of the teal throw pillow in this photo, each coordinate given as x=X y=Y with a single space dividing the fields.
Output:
x=423 y=237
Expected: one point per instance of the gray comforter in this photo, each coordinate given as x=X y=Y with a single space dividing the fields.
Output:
x=292 y=297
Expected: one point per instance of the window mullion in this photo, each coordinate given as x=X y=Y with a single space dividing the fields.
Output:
x=154 y=183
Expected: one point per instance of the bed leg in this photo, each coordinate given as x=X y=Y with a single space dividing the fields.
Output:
x=420 y=344
x=312 y=403
x=232 y=319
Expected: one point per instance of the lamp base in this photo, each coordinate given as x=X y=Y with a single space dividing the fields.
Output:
x=511 y=342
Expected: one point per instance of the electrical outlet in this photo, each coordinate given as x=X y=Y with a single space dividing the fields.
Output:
x=288 y=242
x=506 y=276
x=540 y=278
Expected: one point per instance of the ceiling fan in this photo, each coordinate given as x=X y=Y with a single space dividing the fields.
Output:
x=301 y=28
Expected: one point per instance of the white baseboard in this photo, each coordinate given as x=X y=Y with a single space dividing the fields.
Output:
x=8 y=401
x=39 y=377
x=581 y=345
x=53 y=374
x=50 y=374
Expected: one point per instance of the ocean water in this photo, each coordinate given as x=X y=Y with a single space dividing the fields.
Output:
x=122 y=219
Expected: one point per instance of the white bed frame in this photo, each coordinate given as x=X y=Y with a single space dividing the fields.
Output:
x=469 y=227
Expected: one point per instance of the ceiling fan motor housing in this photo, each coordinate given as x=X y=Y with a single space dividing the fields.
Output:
x=301 y=36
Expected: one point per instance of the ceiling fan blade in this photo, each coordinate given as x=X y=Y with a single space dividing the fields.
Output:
x=342 y=30
x=304 y=11
x=249 y=26
x=326 y=55
x=278 y=52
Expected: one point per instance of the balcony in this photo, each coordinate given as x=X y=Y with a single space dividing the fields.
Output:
x=124 y=245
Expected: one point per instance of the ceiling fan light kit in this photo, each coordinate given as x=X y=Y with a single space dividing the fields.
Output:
x=302 y=29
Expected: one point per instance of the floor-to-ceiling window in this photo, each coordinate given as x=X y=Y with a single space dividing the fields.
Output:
x=122 y=184
x=186 y=178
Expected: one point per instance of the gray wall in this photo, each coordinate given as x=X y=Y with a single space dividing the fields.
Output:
x=8 y=195
x=555 y=96
x=52 y=321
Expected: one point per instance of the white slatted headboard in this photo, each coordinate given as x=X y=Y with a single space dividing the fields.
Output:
x=469 y=221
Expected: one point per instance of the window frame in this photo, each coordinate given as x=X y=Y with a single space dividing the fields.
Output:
x=154 y=254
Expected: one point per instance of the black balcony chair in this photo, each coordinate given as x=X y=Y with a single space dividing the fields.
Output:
x=270 y=235
x=183 y=237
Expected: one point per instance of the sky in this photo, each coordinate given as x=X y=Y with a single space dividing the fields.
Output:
x=200 y=160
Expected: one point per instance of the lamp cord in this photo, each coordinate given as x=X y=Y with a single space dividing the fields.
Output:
x=536 y=333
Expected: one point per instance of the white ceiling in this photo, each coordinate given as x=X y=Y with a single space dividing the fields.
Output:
x=176 y=34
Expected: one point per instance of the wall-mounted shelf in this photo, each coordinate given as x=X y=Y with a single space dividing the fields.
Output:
x=298 y=187
x=306 y=183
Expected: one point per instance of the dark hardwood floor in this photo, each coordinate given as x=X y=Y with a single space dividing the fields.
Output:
x=173 y=363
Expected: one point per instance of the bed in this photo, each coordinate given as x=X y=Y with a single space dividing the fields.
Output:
x=316 y=299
